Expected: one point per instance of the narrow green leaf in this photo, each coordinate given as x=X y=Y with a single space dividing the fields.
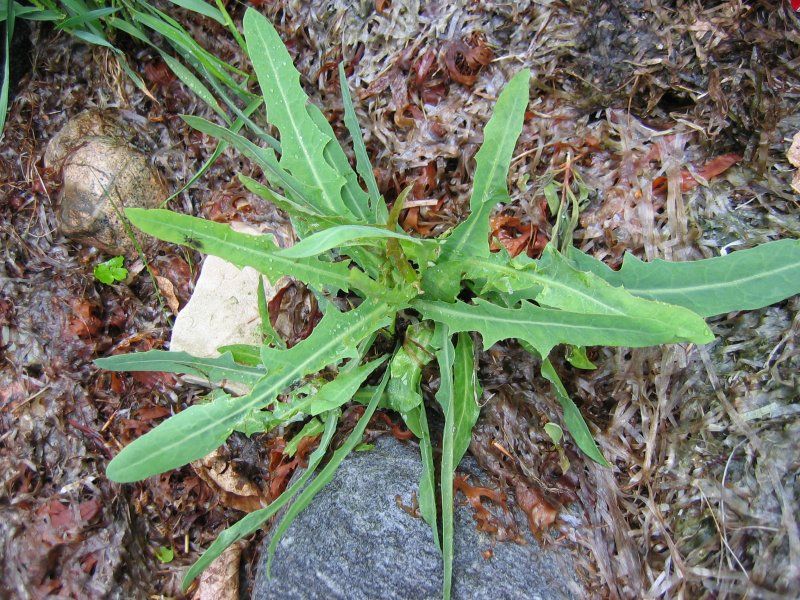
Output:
x=129 y=28
x=302 y=142
x=378 y=208
x=4 y=90
x=334 y=237
x=466 y=393
x=545 y=328
x=221 y=146
x=253 y=522
x=215 y=370
x=82 y=18
x=241 y=249
x=492 y=163
x=417 y=421
x=446 y=399
x=93 y=38
x=196 y=431
x=458 y=396
x=202 y=8
x=326 y=474
x=244 y=354
x=263 y=157
x=195 y=85
x=742 y=280
x=572 y=416
x=331 y=395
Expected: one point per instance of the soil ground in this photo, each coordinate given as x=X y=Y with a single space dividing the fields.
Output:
x=640 y=101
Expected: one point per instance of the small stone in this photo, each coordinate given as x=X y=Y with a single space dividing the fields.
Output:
x=102 y=175
x=353 y=541
x=90 y=123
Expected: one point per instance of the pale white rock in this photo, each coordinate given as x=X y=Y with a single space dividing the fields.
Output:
x=222 y=311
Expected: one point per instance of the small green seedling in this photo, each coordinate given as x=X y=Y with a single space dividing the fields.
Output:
x=165 y=554
x=350 y=246
x=111 y=271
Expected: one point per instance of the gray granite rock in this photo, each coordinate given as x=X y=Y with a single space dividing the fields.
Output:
x=355 y=542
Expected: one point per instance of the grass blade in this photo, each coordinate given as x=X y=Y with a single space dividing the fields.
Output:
x=4 y=90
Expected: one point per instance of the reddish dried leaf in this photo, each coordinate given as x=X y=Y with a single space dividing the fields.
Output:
x=541 y=514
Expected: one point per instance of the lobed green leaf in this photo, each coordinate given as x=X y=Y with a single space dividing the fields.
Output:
x=241 y=249
x=742 y=280
x=303 y=143
x=492 y=161
x=215 y=370
x=196 y=431
x=544 y=328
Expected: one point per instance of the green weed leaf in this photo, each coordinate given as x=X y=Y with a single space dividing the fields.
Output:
x=491 y=172
x=111 y=271
x=545 y=328
x=241 y=249
x=196 y=431
x=214 y=370
x=302 y=142
x=742 y=280
x=334 y=237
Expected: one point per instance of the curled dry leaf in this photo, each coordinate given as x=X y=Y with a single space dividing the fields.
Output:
x=235 y=490
x=502 y=527
x=220 y=581
x=541 y=514
x=464 y=60
x=293 y=311
x=168 y=292
x=714 y=167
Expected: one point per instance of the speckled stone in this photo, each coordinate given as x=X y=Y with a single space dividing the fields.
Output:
x=355 y=542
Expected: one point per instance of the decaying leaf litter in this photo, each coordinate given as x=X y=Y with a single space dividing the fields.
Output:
x=700 y=501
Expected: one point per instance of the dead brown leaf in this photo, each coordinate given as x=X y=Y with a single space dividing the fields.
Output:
x=220 y=581
x=235 y=490
x=168 y=291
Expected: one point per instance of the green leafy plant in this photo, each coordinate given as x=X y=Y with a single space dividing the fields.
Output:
x=111 y=270
x=434 y=298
